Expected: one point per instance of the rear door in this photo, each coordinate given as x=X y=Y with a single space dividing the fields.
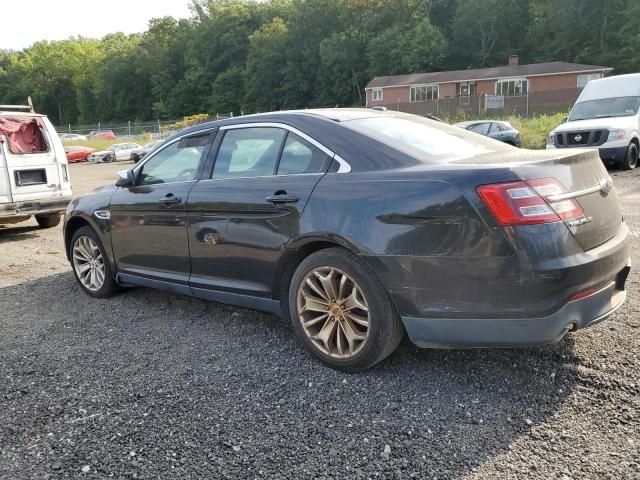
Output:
x=241 y=218
x=32 y=175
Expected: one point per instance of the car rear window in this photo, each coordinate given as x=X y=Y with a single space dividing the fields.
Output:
x=425 y=140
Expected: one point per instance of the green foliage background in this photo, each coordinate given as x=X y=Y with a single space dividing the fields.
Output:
x=242 y=55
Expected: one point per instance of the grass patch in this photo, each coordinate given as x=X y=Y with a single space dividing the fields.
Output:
x=534 y=131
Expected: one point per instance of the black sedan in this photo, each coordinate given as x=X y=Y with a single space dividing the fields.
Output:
x=361 y=226
x=498 y=130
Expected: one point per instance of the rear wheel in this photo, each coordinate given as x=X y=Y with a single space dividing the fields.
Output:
x=631 y=159
x=48 y=221
x=341 y=312
x=90 y=264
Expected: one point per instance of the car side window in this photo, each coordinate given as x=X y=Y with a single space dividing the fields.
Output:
x=299 y=156
x=481 y=128
x=495 y=128
x=248 y=152
x=178 y=162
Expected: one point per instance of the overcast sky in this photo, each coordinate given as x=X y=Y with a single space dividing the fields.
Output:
x=24 y=22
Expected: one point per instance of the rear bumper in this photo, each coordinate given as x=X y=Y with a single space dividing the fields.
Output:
x=484 y=332
x=34 y=207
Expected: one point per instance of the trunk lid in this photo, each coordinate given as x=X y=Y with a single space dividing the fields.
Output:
x=583 y=174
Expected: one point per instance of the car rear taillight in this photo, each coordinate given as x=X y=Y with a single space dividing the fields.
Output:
x=527 y=202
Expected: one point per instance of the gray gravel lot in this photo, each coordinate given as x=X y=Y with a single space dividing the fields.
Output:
x=155 y=385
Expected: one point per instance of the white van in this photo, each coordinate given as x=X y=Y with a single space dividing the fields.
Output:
x=34 y=177
x=605 y=116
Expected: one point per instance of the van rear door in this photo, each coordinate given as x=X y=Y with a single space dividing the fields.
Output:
x=32 y=175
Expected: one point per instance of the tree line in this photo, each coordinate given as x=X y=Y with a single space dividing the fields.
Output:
x=243 y=55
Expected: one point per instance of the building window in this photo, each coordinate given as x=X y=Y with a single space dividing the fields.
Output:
x=422 y=93
x=467 y=89
x=376 y=94
x=513 y=87
x=586 y=78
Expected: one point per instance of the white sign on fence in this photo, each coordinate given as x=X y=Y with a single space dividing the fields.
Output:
x=493 y=101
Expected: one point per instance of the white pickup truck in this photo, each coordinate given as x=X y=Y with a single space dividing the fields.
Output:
x=606 y=116
x=34 y=176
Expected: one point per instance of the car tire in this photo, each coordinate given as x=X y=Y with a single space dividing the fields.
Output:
x=361 y=288
x=135 y=158
x=631 y=158
x=85 y=247
x=48 y=221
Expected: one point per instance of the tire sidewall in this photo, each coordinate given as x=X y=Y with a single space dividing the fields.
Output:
x=381 y=311
x=631 y=159
x=109 y=281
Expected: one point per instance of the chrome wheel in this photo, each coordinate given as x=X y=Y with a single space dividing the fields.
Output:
x=88 y=263
x=333 y=311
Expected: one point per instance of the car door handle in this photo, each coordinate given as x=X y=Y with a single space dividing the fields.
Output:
x=281 y=198
x=170 y=199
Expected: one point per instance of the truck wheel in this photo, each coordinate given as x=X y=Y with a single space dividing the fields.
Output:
x=48 y=221
x=631 y=159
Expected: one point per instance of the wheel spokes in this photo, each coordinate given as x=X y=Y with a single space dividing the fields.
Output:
x=88 y=263
x=333 y=312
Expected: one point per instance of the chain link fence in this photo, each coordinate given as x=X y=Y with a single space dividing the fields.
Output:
x=155 y=129
x=485 y=106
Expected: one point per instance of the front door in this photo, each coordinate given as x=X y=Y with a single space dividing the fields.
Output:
x=148 y=220
x=240 y=219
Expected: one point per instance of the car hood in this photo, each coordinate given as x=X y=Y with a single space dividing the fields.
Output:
x=102 y=152
x=610 y=123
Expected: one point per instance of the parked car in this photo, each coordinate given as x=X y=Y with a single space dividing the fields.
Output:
x=116 y=152
x=102 y=134
x=72 y=137
x=78 y=153
x=140 y=153
x=605 y=116
x=34 y=179
x=498 y=130
x=361 y=225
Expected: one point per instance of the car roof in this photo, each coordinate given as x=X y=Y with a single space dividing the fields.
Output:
x=333 y=114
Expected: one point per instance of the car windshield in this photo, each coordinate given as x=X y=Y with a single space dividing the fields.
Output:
x=605 y=107
x=424 y=139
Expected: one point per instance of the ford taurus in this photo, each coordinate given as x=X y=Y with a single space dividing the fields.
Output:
x=361 y=226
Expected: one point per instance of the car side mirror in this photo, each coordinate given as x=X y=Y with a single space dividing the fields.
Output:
x=564 y=120
x=126 y=178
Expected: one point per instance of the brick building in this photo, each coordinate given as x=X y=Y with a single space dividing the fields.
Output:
x=512 y=80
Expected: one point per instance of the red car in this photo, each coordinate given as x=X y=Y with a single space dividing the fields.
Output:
x=78 y=154
x=103 y=135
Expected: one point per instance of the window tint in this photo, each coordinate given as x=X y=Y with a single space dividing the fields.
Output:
x=249 y=152
x=481 y=128
x=179 y=162
x=299 y=156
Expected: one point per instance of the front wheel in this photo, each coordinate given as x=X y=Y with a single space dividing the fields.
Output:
x=90 y=264
x=341 y=312
x=48 y=221
x=631 y=159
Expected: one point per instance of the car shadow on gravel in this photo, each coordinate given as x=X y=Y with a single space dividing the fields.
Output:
x=9 y=233
x=202 y=389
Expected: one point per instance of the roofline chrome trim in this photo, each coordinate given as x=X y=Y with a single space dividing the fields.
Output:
x=344 y=165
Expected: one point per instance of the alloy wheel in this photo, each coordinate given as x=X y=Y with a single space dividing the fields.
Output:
x=333 y=311
x=88 y=263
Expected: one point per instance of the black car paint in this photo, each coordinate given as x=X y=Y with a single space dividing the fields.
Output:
x=422 y=229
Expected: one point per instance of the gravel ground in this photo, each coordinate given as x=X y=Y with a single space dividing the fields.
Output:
x=150 y=384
